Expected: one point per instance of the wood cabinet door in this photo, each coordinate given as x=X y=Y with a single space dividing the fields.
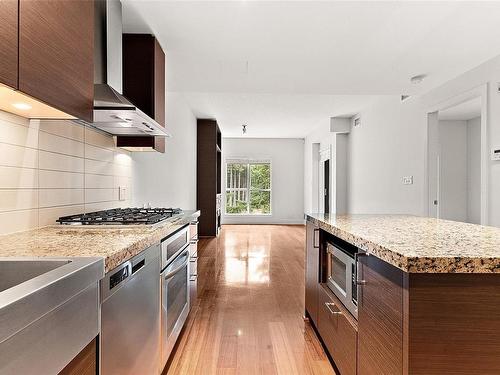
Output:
x=312 y=271
x=338 y=331
x=85 y=363
x=56 y=54
x=380 y=318
x=9 y=42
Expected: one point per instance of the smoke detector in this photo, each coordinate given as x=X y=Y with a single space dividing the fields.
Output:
x=417 y=79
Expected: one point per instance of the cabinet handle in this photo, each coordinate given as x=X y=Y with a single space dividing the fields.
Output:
x=328 y=304
x=360 y=282
x=316 y=235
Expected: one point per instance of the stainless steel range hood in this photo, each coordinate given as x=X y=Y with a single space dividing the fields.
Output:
x=113 y=113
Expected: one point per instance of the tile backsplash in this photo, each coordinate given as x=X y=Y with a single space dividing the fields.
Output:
x=53 y=168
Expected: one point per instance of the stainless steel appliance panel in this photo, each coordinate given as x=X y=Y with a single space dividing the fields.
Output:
x=175 y=301
x=48 y=344
x=171 y=247
x=130 y=328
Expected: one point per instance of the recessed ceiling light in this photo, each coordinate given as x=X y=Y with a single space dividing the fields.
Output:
x=22 y=106
x=417 y=79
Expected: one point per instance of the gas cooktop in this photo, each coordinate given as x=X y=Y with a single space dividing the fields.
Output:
x=122 y=216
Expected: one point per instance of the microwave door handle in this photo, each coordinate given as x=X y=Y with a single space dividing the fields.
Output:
x=359 y=281
x=316 y=235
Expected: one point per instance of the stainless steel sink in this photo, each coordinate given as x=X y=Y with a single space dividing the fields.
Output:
x=49 y=310
x=13 y=272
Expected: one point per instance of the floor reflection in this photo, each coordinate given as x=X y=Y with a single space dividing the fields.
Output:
x=247 y=261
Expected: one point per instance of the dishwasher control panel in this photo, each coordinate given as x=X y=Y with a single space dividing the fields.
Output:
x=118 y=277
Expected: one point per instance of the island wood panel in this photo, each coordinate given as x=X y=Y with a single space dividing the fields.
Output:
x=380 y=318
x=85 y=363
x=56 y=54
x=454 y=324
x=9 y=42
x=312 y=272
x=338 y=331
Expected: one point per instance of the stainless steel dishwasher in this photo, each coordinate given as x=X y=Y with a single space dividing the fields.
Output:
x=130 y=311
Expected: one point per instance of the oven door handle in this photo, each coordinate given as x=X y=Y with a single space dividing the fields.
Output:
x=183 y=264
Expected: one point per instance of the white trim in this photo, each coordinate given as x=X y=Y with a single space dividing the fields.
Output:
x=477 y=92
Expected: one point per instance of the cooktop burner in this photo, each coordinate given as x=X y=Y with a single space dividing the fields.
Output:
x=122 y=216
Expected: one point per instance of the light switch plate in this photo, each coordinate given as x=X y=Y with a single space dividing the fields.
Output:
x=122 y=193
x=408 y=180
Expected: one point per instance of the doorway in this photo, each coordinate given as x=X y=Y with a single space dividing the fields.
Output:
x=326 y=187
x=456 y=161
x=325 y=177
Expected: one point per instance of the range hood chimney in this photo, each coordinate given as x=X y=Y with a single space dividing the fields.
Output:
x=113 y=113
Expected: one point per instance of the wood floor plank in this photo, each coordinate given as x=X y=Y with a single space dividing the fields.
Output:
x=248 y=316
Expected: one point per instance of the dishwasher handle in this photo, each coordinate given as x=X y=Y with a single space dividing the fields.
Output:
x=170 y=273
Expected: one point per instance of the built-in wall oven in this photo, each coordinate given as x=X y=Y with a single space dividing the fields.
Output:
x=341 y=272
x=174 y=289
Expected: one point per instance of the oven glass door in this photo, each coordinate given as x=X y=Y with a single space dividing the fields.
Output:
x=175 y=301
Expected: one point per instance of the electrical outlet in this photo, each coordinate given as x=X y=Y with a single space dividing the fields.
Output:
x=122 y=193
x=408 y=180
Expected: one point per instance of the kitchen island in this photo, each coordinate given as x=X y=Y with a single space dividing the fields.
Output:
x=427 y=292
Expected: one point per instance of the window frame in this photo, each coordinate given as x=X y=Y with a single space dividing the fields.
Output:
x=248 y=189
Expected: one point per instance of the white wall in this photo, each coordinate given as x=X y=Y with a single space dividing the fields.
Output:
x=391 y=143
x=474 y=170
x=388 y=145
x=487 y=73
x=319 y=139
x=169 y=179
x=453 y=170
x=54 y=168
x=287 y=158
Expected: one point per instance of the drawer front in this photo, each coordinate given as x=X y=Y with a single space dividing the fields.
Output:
x=193 y=229
x=193 y=248
x=193 y=266
x=193 y=291
x=172 y=245
x=337 y=332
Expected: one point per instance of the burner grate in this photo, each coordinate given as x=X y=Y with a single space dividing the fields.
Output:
x=122 y=216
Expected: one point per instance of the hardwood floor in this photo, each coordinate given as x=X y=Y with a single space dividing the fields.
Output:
x=248 y=318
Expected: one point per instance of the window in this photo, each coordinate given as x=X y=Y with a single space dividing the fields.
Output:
x=248 y=187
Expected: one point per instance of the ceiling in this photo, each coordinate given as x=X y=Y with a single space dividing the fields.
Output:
x=463 y=111
x=281 y=66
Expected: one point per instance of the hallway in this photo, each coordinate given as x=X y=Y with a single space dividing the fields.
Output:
x=248 y=318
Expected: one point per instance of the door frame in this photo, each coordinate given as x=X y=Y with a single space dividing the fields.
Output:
x=477 y=92
x=324 y=155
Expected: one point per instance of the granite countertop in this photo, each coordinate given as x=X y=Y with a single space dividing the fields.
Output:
x=115 y=244
x=418 y=244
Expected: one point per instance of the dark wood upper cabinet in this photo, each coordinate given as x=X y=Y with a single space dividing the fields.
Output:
x=144 y=77
x=56 y=54
x=8 y=42
x=380 y=318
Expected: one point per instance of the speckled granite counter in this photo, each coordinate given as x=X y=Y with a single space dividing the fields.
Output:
x=115 y=244
x=419 y=245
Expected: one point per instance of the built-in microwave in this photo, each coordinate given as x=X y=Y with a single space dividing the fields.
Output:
x=341 y=273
